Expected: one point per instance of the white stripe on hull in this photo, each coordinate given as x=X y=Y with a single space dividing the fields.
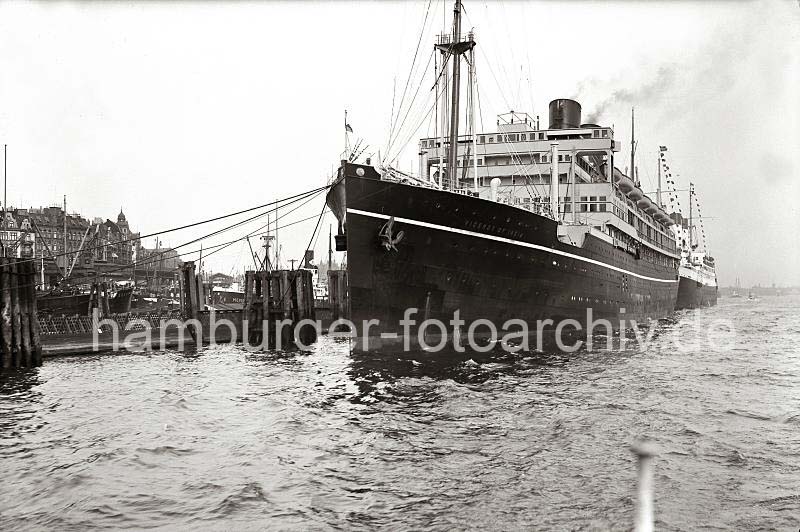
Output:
x=507 y=241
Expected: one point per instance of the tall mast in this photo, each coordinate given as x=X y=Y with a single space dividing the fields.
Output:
x=633 y=148
x=455 y=48
x=5 y=206
x=5 y=179
x=346 y=139
x=267 y=238
x=472 y=82
x=65 y=233
x=453 y=153
x=445 y=103
x=554 y=180
x=658 y=190
x=691 y=191
x=277 y=243
x=436 y=105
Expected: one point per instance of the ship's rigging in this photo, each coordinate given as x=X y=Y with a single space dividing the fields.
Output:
x=445 y=117
x=691 y=239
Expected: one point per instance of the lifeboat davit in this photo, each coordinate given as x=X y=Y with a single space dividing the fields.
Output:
x=636 y=194
x=644 y=203
x=625 y=185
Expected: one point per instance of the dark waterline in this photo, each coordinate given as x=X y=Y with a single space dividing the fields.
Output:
x=225 y=439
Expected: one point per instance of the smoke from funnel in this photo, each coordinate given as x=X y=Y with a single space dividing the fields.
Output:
x=650 y=91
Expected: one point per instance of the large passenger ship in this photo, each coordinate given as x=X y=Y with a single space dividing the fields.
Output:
x=523 y=223
x=697 y=286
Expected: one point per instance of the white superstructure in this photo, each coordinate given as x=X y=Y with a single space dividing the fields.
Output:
x=592 y=194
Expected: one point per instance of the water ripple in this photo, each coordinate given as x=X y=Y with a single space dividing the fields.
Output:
x=226 y=439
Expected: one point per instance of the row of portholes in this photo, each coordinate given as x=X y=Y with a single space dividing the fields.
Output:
x=476 y=224
x=463 y=279
x=566 y=265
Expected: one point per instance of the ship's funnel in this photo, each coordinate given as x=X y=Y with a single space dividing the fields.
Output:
x=565 y=114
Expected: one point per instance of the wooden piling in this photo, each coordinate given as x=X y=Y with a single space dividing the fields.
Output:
x=200 y=303
x=16 y=341
x=181 y=292
x=337 y=293
x=104 y=299
x=248 y=289
x=285 y=308
x=191 y=306
x=23 y=278
x=35 y=328
x=5 y=315
x=303 y=302
x=299 y=295
x=286 y=294
x=92 y=299
x=191 y=282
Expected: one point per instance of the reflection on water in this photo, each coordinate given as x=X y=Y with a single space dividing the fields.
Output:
x=225 y=438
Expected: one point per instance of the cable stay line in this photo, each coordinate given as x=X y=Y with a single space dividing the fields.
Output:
x=410 y=107
x=410 y=75
x=156 y=257
x=276 y=205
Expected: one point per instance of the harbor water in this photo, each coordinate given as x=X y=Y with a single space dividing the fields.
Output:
x=223 y=438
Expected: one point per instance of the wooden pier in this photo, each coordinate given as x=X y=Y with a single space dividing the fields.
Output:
x=20 y=344
x=278 y=300
x=275 y=303
x=337 y=294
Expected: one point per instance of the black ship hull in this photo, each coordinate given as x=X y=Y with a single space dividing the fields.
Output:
x=121 y=302
x=68 y=305
x=227 y=300
x=694 y=294
x=79 y=304
x=440 y=252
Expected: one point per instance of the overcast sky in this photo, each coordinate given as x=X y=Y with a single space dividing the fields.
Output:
x=182 y=111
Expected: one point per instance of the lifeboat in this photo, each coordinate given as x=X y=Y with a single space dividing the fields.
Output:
x=625 y=185
x=652 y=210
x=644 y=203
x=635 y=194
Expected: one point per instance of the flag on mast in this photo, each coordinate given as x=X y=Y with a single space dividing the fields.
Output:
x=346 y=125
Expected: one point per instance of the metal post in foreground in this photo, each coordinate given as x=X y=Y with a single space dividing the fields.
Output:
x=644 y=504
